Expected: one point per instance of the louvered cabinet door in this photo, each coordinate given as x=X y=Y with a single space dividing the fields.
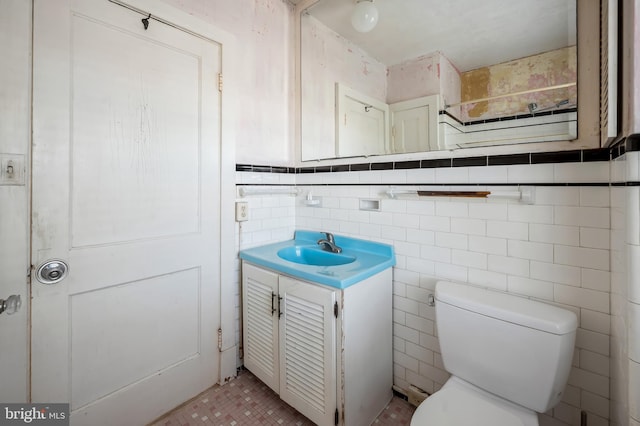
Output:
x=308 y=349
x=260 y=323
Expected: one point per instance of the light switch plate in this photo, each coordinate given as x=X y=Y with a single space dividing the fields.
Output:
x=12 y=169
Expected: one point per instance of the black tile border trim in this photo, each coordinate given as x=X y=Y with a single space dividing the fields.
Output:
x=508 y=160
x=508 y=117
x=602 y=154
x=625 y=183
x=469 y=161
x=466 y=185
x=557 y=157
x=628 y=144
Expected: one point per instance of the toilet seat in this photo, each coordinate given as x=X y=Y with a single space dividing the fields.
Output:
x=461 y=404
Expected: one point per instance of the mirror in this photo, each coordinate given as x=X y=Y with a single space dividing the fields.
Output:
x=436 y=75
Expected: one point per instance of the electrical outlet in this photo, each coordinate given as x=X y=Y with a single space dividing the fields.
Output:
x=242 y=211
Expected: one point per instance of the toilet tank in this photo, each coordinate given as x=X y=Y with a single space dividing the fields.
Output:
x=513 y=347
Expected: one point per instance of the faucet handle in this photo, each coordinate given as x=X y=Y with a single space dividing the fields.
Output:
x=329 y=237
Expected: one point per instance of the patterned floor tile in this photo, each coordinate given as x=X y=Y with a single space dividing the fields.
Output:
x=246 y=401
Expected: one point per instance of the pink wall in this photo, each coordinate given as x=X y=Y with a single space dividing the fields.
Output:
x=423 y=76
x=264 y=32
x=415 y=78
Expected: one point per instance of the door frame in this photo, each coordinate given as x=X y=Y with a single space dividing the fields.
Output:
x=16 y=221
x=195 y=26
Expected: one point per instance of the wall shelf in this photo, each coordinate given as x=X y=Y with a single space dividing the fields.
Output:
x=525 y=195
x=249 y=190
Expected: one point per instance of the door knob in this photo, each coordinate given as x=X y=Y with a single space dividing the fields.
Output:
x=52 y=271
x=11 y=305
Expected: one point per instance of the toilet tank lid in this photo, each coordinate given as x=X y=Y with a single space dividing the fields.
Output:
x=507 y=307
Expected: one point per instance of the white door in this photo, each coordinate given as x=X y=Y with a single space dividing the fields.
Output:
x=362 y=124
x=414 y=124
x=126 y=191
x=411 y=129
x=362 y=130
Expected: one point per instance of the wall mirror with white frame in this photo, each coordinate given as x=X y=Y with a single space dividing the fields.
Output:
x=433 y=76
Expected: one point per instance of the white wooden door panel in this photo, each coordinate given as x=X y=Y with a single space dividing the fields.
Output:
x=308 y=349
x=126 y=190
x=415 y=124
x=140 y=111
x=411 y=128
x=169 y=339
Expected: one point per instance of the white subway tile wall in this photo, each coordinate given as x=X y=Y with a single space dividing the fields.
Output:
x=545 y=251
x=556 y=250
x=625 y=292
x=271 y=218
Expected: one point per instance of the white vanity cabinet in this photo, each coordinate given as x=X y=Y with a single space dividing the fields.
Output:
x=290 y=339
x=326 y=351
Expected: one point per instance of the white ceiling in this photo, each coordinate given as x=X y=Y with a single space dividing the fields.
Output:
x=471 y=33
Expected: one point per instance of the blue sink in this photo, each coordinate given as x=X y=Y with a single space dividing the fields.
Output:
x=302 y=258
x=314 y=256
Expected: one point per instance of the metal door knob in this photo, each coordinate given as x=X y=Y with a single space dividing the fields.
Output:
x=11 y=305
x=52 y=271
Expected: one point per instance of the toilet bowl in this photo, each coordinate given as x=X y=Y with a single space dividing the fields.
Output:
x=509 y=358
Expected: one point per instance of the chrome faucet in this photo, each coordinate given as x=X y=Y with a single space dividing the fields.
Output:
x=329 y=243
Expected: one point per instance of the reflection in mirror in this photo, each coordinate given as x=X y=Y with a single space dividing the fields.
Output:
x=444 y=76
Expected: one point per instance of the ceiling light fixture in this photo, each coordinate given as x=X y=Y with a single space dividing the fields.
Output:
x=365 y=16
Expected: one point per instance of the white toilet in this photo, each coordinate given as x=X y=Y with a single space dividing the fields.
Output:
x=509 y=357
